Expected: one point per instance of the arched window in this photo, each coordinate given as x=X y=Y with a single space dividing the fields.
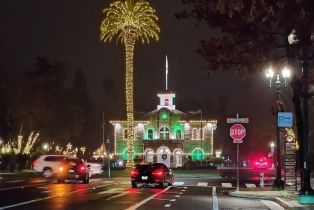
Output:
x=178 y=134
x=198 y=154
x=164 y=133
x=194 y=133
x=150 y=134
x=125 y=134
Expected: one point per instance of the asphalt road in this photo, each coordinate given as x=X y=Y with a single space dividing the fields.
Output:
x=116 y=194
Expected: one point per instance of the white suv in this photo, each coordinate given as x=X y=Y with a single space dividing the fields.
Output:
x=48 y=164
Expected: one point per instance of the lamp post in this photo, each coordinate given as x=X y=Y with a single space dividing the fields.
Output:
x=277 y=84
x=110 y=156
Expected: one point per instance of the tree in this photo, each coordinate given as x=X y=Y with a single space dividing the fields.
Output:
x=129 y=21
x=252 y=35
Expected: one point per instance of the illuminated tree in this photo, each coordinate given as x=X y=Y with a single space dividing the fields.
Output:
x=129 y=21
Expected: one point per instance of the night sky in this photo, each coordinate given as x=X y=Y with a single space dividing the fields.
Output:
x=69 y=31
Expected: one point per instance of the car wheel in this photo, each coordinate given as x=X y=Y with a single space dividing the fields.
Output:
x=47 y=173
x=134 y=185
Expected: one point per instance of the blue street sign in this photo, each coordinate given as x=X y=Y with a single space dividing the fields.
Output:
x=285 y=119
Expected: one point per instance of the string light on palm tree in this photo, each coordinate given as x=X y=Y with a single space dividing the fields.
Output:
x=129 y=21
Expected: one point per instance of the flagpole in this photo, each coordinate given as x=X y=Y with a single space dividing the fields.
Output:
x=166 y=72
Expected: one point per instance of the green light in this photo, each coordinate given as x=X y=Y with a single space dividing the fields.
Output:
x=164 y=116
x=198 y=155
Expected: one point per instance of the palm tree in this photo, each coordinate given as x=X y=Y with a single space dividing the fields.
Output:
x=129 y=21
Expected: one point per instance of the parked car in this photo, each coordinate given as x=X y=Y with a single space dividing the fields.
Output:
x=73 y=169
x=95 y=166
x=115 y=164
x=157 y=174
x=48 y=164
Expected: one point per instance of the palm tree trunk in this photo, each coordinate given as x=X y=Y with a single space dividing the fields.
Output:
x=129 y=55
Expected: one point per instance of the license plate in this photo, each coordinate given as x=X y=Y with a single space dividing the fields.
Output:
x=71 y=171
x=144 y=177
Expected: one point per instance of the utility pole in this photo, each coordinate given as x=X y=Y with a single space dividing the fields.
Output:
x=103 y=138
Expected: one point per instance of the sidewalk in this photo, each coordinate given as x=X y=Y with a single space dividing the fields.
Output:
x=287 y=200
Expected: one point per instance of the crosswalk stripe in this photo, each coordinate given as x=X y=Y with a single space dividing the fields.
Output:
x=202 y=184
x=178 y=183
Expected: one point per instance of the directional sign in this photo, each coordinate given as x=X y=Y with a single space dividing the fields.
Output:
x=237 y=133
x=237 y=120
x=285 y=119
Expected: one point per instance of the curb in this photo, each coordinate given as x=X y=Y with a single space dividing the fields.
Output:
x=278 y=200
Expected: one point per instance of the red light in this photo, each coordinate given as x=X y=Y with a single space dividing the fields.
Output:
x=82 y=169
x=35 y=163
x=134 y=172
x=158 y=172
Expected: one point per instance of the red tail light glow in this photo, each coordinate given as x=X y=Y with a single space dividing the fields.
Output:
x=82 y=168
x=134 y=172
x=35 y=163
x=158 y=172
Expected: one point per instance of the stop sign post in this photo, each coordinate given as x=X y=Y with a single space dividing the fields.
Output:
x=237 y=133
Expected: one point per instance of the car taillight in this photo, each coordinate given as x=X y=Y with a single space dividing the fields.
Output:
x=82 y=168
x=158 y=172
x=134 y=172
x=35 y=163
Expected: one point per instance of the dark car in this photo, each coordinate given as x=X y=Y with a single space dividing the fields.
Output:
x=154 y=173
x=73 y=169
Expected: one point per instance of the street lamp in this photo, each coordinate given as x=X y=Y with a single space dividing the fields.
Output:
x=277 y=84
x=45 y=146
x=218 y=153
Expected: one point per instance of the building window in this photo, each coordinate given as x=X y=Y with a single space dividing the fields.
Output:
x=198 y=154
x=125 y=134
x=178 y=134
x=150 y=134
x=194 y=133
x=164 y=133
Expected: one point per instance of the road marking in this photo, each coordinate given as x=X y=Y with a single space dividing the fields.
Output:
x=173 y=200
x=226 y=184
x=178 y=183
x=14 y=181
x=272 y=205
x=250 y=185
x=110 y=191
x=49 y=197
x=117 y=196
x=161 y=199
x=202 y=184
x=168 y=205
x=177 y=196
x=147 y=199
x=215 y=199
x=183 y=190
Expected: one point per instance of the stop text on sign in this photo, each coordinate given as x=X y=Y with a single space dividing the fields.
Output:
x=237 y=133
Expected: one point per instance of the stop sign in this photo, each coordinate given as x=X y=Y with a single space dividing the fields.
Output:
x=237 y=132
